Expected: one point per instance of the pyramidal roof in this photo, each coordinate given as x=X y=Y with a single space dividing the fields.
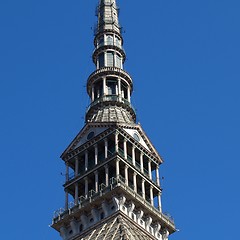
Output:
x=117 y=228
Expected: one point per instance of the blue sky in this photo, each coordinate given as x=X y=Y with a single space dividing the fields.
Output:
x=184 y=59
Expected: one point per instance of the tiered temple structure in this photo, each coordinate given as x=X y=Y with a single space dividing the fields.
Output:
x=112 y=169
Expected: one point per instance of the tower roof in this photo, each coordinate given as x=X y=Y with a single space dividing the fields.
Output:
x=116 y=228
x=109 y=86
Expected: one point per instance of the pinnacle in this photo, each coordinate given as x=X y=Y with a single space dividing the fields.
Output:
x=108 y=16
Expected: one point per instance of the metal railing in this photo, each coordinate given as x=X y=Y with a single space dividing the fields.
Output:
x=92 y=195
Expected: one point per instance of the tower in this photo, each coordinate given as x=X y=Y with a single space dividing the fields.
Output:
x=112 y=169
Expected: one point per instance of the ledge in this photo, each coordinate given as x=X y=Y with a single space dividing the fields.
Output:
x=104 y=71
x=115 y=183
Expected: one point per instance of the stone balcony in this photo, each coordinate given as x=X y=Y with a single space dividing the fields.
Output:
x=116 y=186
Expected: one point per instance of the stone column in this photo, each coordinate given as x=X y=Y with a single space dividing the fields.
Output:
x=117 y=168
x=135 y=181
x=126 y=175
x=143 y=189
x=141 y=161
x=150 y=169
x=86 y=187
x=151 y=195
x=107 y=175
x=125 y=148
x=66 y=200
x=119 y=88
x=104 y=86
x=116 y=85
x=128 y=94
x=157 y=175
x=76 y=166
x=92 y=93
x=159 y=202
x=96 y=153
x=67 y=173
x=96 y=181
x=86 y=161
x=105 y=57
x=106 y=147
x=76 y=194
x=133 y=155
x=116 y=141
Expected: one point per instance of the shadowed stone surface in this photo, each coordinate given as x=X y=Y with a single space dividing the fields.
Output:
x=111 y=114
x=117 y=228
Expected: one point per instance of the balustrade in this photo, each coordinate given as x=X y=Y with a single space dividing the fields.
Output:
x=114 y=182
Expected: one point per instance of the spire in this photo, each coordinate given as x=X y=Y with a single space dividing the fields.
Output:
x=107 y=13
x=112 y=169
x=108 y=34
x=109 y=87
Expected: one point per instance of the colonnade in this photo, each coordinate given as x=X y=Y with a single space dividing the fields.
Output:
x=118 y=89
x=139 y=183
x=130 y=175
